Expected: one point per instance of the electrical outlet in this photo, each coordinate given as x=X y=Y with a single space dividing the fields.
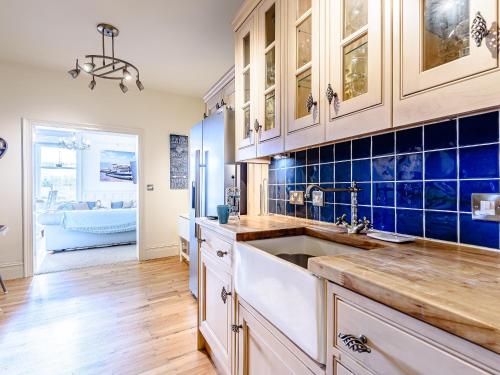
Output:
x=317 y=198
x=297 y=197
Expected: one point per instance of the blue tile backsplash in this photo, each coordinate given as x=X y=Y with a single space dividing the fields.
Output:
x=415 y=181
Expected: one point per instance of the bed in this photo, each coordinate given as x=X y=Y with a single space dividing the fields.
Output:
x=85 y=229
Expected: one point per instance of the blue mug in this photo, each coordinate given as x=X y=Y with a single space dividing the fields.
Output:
x=223 y=213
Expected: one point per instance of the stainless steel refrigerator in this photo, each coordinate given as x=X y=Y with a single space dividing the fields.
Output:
x=212 y=170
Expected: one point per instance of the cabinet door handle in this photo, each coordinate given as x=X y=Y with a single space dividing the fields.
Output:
x=223 y=294
x=236 y=328
x=330 y=94
x=310 y=103
x=249 y=133
x=478 y=29
x=356 y=344
x=257 y=126
x=221 y=253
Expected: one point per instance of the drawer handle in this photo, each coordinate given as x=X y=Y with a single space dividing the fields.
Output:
x=224 y=293
x=356 y=344
x=221 y=253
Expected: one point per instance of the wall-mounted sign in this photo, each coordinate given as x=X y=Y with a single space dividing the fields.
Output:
x=3 y=147
x=179 y=161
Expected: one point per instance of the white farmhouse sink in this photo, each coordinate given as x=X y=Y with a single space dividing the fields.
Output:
x=286 y=294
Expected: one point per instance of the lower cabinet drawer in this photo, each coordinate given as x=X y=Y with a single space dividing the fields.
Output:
x=212 y=243
x=385 y=349
x=341 y=370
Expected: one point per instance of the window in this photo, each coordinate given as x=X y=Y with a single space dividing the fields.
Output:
x=57 y=171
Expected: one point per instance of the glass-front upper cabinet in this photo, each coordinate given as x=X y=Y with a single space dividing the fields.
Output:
x=303 y=63
x=245 y=94
x=357 y=79
x=269 y=57
x=442 y=43
x=438 y=41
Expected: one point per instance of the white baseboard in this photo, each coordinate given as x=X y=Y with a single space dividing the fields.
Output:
x=12 y=270
x=161 y=251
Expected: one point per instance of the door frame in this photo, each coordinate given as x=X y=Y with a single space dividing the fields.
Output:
x=27 y=126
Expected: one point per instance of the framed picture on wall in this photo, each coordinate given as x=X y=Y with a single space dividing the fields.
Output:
x=118 y=166
x=179 y=161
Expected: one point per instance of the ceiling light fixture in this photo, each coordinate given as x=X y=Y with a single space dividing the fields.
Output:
x=123 y=87
x=74 y=143
x=74 y=72
x=107 y=67
x=92 y=83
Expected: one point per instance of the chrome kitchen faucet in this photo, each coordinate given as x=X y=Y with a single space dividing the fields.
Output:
x=356 y=226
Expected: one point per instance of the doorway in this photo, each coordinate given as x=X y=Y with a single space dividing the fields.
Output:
x=82 y=189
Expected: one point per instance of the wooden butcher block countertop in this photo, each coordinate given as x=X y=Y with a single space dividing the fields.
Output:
x=455 y=288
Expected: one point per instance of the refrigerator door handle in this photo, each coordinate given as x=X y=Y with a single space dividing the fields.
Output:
x=197 y=179
x=203 y=185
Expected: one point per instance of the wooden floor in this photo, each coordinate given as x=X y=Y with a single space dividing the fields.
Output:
x=129 y=318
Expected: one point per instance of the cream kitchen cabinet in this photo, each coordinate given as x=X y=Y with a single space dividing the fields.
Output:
x=259 y=83
x=304 y=63
x=368 y=337
x=216 y=309
x=263 y=350
x=358 y=82
x=246 y=69
x=444 y=65
x=269 y=58
x=222 y=92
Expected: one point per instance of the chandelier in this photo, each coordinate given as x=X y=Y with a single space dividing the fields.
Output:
x=107 y=67
x=74 y=143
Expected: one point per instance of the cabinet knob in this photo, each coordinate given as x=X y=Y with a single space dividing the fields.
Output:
x=223 y=294
x=330 y=94
x=257 y=126
x=356 y=344
x=478 y=29
x=310 y=103
x=221 y=253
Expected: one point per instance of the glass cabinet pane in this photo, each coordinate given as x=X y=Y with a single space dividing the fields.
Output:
x=302 y=7
x=304 y=33
x=246 y=50
x=270 y=25
x=270 y=68
x=246 y=116
x=246 y=86
x=355 y=73
x=269 y=111
x=303 y=90
x=446 y=31
x=355 y=15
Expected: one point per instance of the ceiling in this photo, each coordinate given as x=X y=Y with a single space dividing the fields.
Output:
x=180 y=46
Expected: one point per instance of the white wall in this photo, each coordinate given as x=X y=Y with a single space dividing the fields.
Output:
x=52 y=96
x=92 y=186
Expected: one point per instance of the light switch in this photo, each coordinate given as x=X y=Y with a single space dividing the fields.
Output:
x=150 y=187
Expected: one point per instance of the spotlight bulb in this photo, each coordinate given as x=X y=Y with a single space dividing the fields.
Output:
x=126 y=74
x=123 y=87
x=139 y=84
x=88 y=66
